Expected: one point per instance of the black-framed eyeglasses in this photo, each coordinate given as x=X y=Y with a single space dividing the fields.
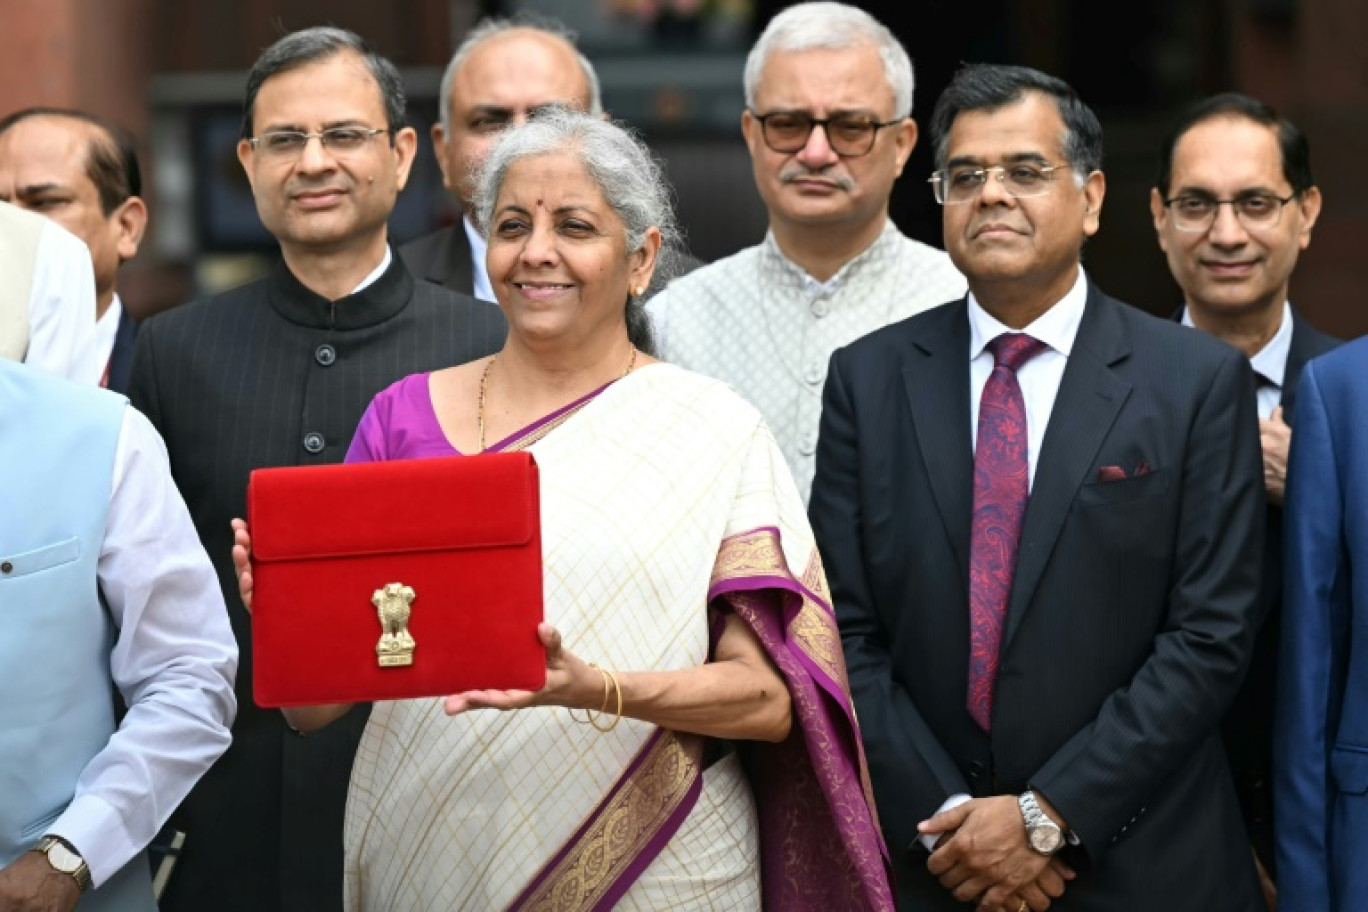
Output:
x=337 y=140
x=849 y=135
x=1022 y=180
x=1256 y=210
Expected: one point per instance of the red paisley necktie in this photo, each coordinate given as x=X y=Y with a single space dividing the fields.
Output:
x=1001 y=488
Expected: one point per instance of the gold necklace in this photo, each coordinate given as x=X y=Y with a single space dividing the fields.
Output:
x=484 y=384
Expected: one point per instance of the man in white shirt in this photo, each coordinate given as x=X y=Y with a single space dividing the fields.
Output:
x=103 y=584
x=1233 y=207
x=828 y=122
x=1039 y=510
x=83 y=174
x=502 y=72
x=48 y=296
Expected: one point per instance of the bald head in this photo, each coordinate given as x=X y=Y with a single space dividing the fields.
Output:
x=499 y=75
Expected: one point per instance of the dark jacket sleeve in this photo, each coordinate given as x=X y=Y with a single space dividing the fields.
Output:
x=1103 y=776
x=911 y=772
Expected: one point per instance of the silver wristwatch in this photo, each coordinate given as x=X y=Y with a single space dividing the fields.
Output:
x=65 y=859
x=1043 y=835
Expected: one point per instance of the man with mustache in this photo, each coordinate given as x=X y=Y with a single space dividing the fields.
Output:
x=1234 y=206
x=1040 y=513
x=828 y=122
x=278 y=372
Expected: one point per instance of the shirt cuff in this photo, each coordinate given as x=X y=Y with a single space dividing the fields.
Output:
x=929 y=839
x=98 y=834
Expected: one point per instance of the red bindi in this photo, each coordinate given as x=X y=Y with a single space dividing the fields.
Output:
x=539 y=202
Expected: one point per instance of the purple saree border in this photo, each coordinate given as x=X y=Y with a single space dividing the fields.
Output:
x=791 y=585
x=664 y=832
x=541 y=422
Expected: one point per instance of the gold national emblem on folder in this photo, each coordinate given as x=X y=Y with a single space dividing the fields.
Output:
x=394 y=603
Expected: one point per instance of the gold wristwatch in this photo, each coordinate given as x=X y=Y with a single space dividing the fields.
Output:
x=64 y=858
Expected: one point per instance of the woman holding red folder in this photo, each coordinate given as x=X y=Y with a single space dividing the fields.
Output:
x=677 y=556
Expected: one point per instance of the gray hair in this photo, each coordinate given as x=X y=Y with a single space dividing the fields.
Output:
x=300 y=48
x=491 y=27
x=627 y=174
x=836 y=26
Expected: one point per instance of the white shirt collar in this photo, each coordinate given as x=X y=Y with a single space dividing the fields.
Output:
x=1056 y=327
x=106 y=331
x=479 y=247
x=1269 y=362
x=375 y=273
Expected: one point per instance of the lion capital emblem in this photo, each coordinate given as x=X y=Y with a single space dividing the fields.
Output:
x=393 y=602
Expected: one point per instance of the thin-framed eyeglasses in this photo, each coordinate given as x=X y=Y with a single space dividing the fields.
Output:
x=1256 y=210
x=1022 y=180
x=849 y=135
x=284 y=144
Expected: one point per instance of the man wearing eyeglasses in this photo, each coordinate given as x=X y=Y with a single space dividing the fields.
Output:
x=829 y=126
x=278 y=372
x=1233 y=207
x=1038 y=510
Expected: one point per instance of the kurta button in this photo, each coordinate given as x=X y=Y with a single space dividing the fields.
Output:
x=820 y=308
x=313 y=442
x=815 y=374
x=325 y=354
x=6 y=567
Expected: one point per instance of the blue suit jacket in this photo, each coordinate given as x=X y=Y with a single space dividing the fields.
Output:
x=1321 y=749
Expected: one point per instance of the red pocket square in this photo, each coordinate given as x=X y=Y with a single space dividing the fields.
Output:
x=1116 y=473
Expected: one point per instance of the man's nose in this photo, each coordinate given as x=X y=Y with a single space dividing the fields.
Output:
x=315 y=156
x=994 y=191
x=1226 y=228
x=817 y=151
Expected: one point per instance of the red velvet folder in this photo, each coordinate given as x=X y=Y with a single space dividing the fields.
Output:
x=390 y=580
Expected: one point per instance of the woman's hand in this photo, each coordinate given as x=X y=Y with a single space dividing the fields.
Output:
x=242 y=561
x=570 y=682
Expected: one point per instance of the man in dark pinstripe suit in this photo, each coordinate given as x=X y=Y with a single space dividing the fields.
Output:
x=1039 y=511
x=278 y=372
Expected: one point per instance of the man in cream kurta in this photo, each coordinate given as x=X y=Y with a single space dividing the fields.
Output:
x=829 y=128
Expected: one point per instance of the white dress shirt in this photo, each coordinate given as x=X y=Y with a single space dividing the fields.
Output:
x=62 y=308
x=106 y=331
x=377 y=272
x=479 y=247
x=1269 y=362
x=1039 y=380
x=174 y=661
x=1039 y=377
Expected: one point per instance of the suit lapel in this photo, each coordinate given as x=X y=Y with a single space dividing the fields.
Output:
x=936 y=377
x=456 y=261
x=1307 y=343
x=1090 y=397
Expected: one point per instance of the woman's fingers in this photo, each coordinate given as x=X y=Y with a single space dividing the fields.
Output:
x=487 y=699
x=242 y=561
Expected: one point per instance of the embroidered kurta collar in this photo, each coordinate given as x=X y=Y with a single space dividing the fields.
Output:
x=794 y=278
x=372 y=305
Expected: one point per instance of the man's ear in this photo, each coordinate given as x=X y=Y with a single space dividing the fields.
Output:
x=439 y=143
x=1310 y=205
x=131 y=220
x=905 y=137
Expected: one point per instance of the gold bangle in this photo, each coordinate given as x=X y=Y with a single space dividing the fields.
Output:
x=589 y=714
x=617 y=716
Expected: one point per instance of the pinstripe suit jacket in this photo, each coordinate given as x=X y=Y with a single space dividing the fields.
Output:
x=1131 y=616
x=271 y=374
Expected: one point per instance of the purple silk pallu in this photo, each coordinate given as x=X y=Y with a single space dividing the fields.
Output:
x=820 y=843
